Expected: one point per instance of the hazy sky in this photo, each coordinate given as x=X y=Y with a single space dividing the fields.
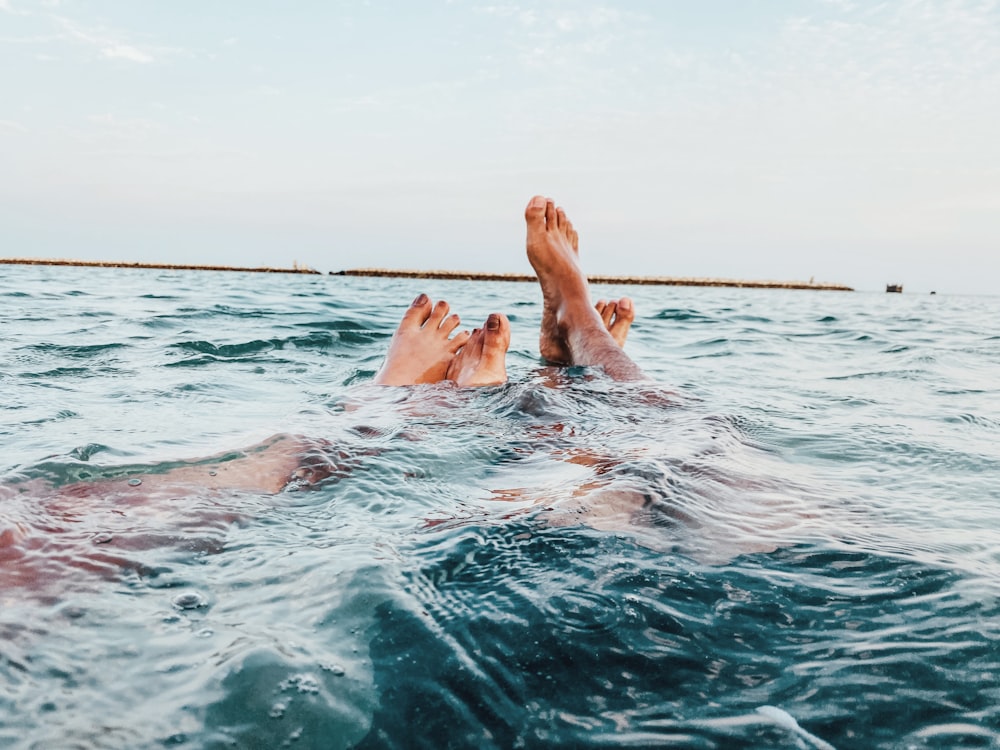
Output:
x=853 y=142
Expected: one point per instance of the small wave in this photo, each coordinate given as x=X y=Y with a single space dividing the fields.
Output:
x=79 y=351
x=683 y=315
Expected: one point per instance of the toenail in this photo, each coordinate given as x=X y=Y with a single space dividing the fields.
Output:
x=420 y=300
x=493 y=322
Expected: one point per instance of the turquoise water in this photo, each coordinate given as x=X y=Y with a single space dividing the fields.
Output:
x=815 y=561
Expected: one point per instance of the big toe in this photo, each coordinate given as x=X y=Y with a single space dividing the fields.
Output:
x=534 y=213
x=417 y=313
x=496 y=334
x=624 y=314
x=625 y=310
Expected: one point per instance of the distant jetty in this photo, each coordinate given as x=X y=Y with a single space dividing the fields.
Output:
x=156 y=266
x=596 y=279
x=447 y=275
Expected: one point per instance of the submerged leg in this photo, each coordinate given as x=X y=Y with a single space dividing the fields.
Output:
x=567 y=314
x=618 y=316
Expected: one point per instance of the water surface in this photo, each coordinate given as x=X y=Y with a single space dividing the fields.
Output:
x=815 y=559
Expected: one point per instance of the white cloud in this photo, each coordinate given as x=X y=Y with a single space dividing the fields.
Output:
x=126 y=52
x=843 y=5
x=917 y=42
x=567 y=38
x=265 y=90
x=110 y=128
x=566 y=23
x=14 y=126
x=6 y=7
x=111 y=47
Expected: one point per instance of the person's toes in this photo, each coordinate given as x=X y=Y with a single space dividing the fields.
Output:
x=534 y=214
x=458 y=342
x=626 y=309
x=551 y=217
x=438 y=314
x=496 y=335
x=417 y=313
x=574 y=240
x=624 y=315
x=561 y=219
x=565 y=225
x=473 y=348
x=449 y=324
x=599 y=306
x=608 y=313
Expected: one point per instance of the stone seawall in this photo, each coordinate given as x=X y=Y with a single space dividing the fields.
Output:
x=597 y=279
x=155 y=266
x=452 y=275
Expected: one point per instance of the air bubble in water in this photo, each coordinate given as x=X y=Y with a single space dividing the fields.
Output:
x=301 y=683
x=189 y=600
x=134 y=482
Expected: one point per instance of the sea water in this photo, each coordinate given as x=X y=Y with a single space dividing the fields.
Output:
x=815 y=561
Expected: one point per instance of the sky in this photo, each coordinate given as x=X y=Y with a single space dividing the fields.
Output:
x=845 y=141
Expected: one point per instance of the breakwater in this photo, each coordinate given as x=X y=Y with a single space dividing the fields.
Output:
x=447 y=275
x=598 y=279
x=155 y=266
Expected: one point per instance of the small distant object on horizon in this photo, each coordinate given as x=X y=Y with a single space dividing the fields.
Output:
x=894 y=288
x=933 y=292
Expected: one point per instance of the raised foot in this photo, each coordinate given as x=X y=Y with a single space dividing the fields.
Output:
x=421 y=350
x=553 y=247
x=483 y=359
x=573 y=332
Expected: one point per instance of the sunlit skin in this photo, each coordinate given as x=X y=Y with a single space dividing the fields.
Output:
x=570 y=323
x=618 y=316
x=422 y=346
x=482 y=361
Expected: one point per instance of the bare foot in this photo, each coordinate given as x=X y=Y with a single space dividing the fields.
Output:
x=567 y=313
x=618 y=316
x=482 y=361
x=550 y=343
x=420 y=350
